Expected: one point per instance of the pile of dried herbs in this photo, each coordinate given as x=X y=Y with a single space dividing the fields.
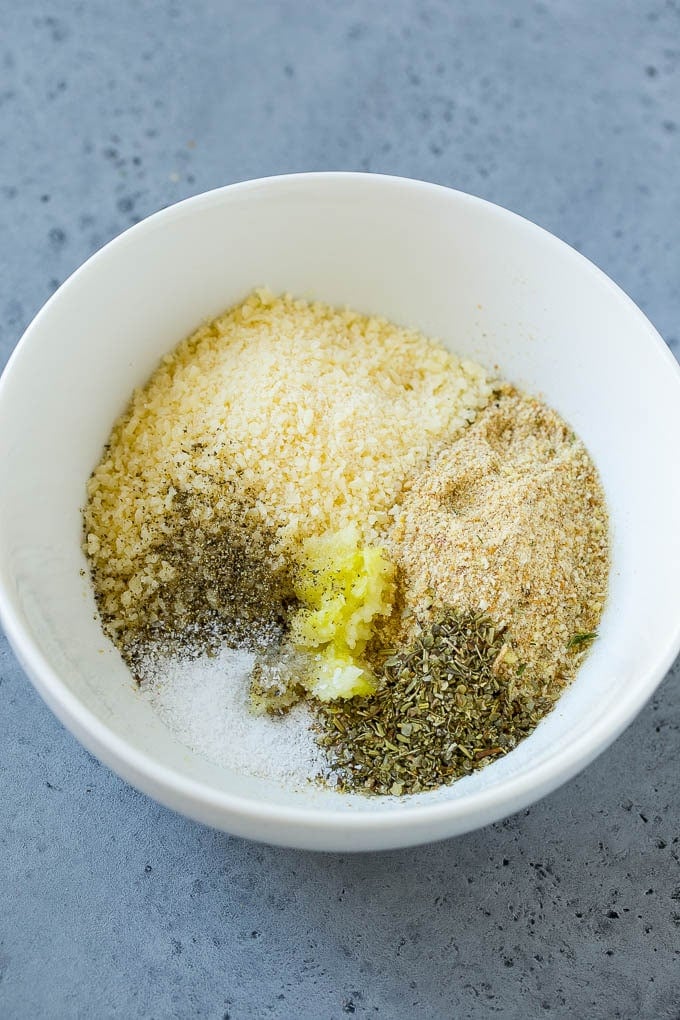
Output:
x=441 y=710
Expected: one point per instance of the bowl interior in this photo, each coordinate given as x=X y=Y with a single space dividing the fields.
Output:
x=491 y=286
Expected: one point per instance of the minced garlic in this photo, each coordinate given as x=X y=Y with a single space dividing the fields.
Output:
x=343 y=586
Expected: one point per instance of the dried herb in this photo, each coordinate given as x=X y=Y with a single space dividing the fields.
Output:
x=441 y=710
x=581 y=639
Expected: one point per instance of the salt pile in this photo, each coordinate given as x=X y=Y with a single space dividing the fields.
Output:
x=204 y=703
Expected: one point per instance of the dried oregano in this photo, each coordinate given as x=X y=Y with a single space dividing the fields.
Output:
x=440 y=711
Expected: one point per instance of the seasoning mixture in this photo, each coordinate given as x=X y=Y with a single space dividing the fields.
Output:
x=347 y=515
x=279 y=420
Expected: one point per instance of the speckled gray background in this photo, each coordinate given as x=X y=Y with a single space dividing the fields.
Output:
x=567 y=112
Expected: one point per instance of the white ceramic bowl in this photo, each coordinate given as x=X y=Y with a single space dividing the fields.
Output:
x=492 y=286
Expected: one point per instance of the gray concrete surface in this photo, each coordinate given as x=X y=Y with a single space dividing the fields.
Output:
x=566 y=111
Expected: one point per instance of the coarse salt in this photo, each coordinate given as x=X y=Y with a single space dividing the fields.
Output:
x=204 y=703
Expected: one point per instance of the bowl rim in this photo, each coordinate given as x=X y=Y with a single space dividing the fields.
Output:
x=322 y=826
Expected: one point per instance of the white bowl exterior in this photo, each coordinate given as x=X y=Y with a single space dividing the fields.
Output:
x=493 y=287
